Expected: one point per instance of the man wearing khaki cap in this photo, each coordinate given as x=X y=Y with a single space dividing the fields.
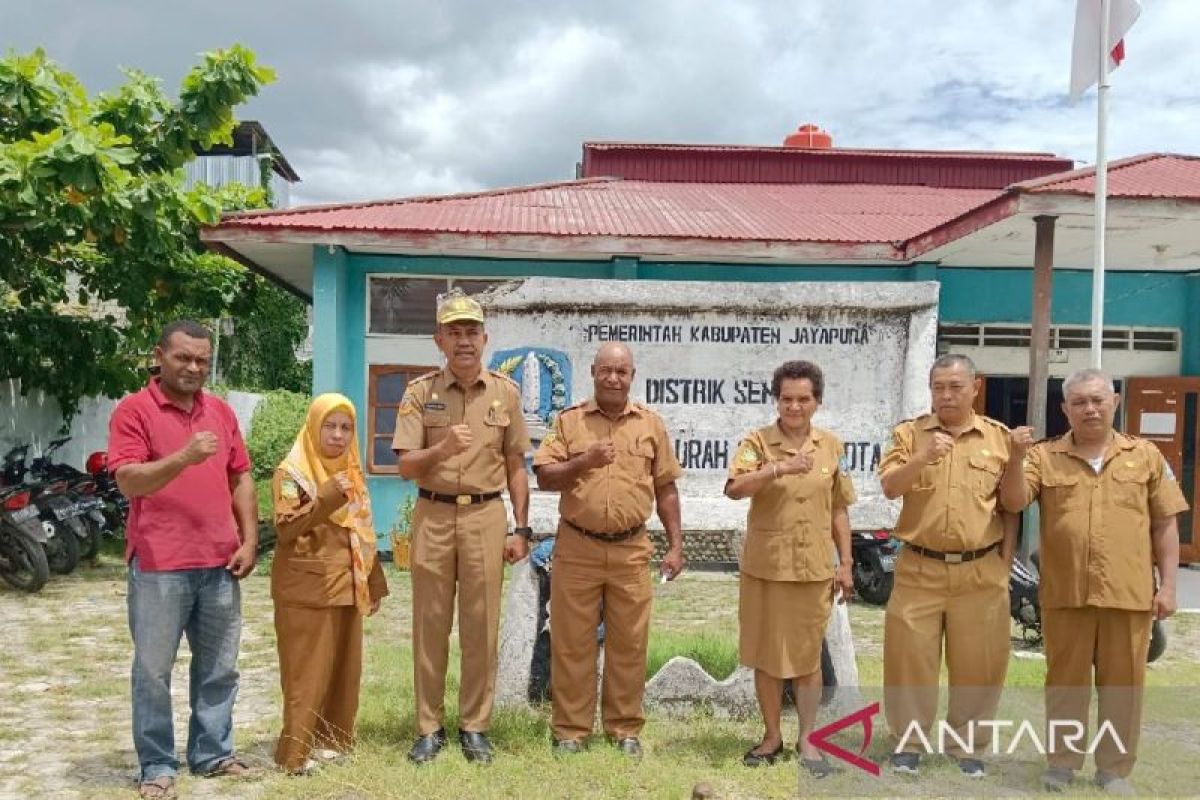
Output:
x=461 y=437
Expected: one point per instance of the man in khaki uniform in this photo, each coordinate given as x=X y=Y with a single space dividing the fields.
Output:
x=951 y=581
x=612 y=461
x=461 y=437
x=1108 y=505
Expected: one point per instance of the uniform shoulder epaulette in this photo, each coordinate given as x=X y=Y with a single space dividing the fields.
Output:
x=428 y=376
x=504 y=377
x=573 y=407
x=995 y=423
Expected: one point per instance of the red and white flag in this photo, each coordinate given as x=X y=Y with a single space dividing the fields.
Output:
x=1085 y=52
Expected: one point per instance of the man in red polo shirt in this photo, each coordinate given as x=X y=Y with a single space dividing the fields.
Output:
x=177 y=454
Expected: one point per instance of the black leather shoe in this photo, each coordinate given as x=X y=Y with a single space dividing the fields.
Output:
x=475 y=746
x=630 y=746
x=753 y=759
x=426 y=748
x=566 y=747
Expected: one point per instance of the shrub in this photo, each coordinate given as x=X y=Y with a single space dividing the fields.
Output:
x=273 y=428
x=718 y=655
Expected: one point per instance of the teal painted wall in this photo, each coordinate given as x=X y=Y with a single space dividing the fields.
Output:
x=967 y=295
x=329 y=300
x=1005 y=295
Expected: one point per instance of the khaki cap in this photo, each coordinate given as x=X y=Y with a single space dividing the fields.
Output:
x=457 y=307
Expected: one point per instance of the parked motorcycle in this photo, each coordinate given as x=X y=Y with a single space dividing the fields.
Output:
x=22 y=558
x=82 y=488
x=874 y=564
x=1026 y=612
x=116 y=505
x=56 y=510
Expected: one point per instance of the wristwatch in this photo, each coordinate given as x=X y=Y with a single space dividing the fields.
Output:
x=527 y=532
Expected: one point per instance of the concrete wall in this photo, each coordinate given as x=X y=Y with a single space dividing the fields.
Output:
x=36 y=420
x=704 y=362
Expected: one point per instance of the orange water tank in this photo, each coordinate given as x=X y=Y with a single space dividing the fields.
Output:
x=810 y=137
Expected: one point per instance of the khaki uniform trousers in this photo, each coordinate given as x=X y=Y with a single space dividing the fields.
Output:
x=966 y=606
x=585 y=573
x=320 y=666
x=456 y=550
x=1112 y=644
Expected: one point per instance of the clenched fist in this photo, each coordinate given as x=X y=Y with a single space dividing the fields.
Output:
x=799 y=464
x=200 y=447
x=1020 y=440
x=343 y=482
x=600 y=454
x=458 y=439
x=936 y=447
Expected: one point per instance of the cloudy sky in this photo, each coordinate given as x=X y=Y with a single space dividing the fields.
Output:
x=389 y=98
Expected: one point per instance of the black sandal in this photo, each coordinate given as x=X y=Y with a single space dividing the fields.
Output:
x=753 y=759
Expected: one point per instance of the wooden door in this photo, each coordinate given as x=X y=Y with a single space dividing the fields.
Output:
x=1165 y=410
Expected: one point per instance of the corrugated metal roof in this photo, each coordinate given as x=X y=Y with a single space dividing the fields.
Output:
x=741 y=164
x=1162 y=175
x=852 y=213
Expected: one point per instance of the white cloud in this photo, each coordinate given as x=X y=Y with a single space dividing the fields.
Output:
x=383 y=99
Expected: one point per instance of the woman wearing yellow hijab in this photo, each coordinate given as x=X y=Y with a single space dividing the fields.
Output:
x=325 y=579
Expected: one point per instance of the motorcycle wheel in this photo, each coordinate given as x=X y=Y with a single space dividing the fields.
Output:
x=62 y=548
x=1158 y=642
x=22 y=561
x=872 y=583
x=89 y=547
x=115 y=523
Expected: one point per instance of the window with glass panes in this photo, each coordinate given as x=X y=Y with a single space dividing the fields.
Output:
x=388 y=382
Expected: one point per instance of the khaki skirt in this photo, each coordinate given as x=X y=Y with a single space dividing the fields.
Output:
x=782 y=624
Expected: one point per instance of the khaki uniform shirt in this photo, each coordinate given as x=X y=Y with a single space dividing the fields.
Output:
x=789 y=529
x=491 y=406
x=953 y=505
x=621 y=495
x=313 y=565
x=1095 y=529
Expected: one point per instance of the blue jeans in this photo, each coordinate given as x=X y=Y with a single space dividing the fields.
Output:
x=206 y=605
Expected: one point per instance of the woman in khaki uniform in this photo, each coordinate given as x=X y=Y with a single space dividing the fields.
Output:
x=799 y=491
x=325 y=579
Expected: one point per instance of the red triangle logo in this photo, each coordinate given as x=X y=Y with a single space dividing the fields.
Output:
x=819 y=738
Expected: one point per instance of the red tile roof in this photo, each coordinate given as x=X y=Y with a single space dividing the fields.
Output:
x=852 y=213
x=1161 y=175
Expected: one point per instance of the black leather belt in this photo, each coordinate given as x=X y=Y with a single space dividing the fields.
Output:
x=458 y=499
x=619 y=536
x=952 y=558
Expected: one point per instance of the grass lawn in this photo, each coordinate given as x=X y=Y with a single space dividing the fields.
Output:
x=65 y=660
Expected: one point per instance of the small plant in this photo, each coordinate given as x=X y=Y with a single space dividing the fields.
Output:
x=404 y=512
x=401 y=531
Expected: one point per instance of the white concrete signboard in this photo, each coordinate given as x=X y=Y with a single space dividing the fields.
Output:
x=704 y=355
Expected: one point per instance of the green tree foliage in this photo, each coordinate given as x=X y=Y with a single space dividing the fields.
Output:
x=93 y=211
x=269 y=323
x=273 y=428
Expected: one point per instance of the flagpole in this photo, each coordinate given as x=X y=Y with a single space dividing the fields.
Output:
x=1101 y=191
